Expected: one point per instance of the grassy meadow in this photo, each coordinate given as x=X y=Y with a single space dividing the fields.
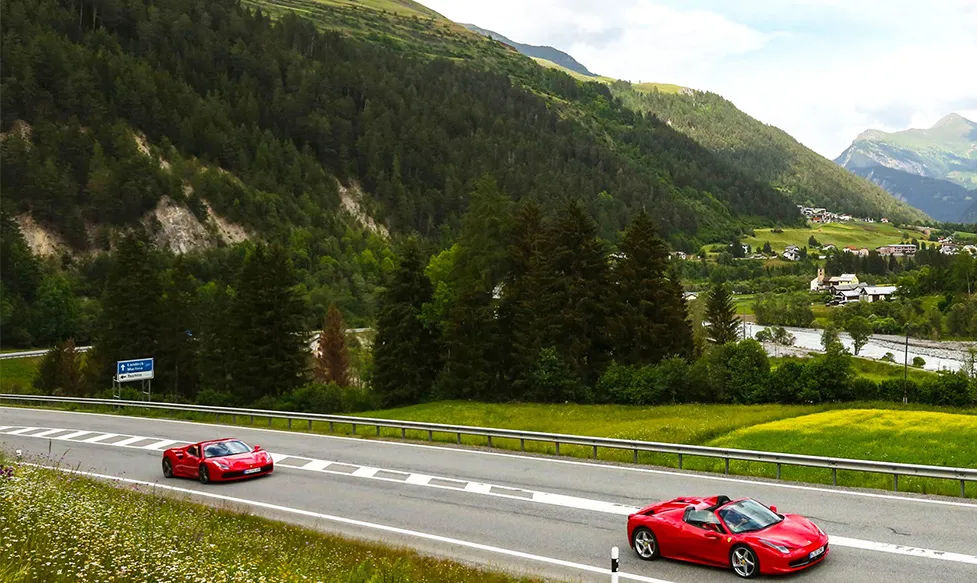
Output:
x=17 y=374
x=870 y=235
x=58 y=527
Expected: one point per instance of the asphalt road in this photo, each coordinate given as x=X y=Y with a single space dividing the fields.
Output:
x=551 y=517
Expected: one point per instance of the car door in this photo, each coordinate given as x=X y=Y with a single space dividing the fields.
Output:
x=703 y=538
x=190 y=460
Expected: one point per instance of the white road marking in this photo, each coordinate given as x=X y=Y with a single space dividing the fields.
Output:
x=71 y=436
x=99 y=438
x=539 y=459
x=841 y=541
x=365 y=472
x=47 y=432
x=371 y=525
x=316 y=465
x=583 y=503
x=478 y=488
x=129 y=441
x=22 y=431
x=4 y=427
x=418 y=479
x=162 y=444
x=277 y=457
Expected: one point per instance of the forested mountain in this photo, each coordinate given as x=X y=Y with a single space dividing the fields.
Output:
x=550 y=54
x=766 y=152
x=947 y=151
x=941 y=199
x=934 y=169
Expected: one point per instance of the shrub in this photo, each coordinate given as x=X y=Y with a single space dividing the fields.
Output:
x=918 y=362
x=894 y=389
x=952 y=390
x=863 y=389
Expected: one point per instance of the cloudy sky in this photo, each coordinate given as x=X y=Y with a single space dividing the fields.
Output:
x=823 y=70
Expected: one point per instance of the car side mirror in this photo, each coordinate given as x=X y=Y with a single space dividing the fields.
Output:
x=257 y=448
x=773 y=509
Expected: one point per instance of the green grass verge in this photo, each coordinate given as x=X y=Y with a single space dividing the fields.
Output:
x=906 y=436
x=875 y=370
x=17 y=374
x=870 y=235
x=59 y=527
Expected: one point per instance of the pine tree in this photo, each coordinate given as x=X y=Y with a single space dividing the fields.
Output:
x=650 y=319
x=60 y=371
x=332 y=362
x=177 y=351
x=215 y=337
x=270 y=349
x=405 y=354
x=518 y=307
x=129 y=326
x=721 y=314
x=472 y=350
x=574 y=294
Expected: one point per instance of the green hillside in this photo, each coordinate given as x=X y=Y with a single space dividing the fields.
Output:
x=868 y=235
x=766 y=152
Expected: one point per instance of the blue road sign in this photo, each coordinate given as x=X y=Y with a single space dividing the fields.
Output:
x=134 y=370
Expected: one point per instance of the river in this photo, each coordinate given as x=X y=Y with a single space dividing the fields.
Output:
x=939 y=356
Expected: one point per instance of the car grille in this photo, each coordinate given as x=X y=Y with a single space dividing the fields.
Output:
x=239 y=473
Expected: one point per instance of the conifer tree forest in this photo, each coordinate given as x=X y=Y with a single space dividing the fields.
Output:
x=527 y=219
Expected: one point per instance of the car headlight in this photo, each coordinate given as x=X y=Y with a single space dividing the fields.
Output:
x=773 y=545
x=222 y=466
x=819 y=530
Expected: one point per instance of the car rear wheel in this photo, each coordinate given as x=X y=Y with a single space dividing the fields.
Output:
x=744 y=562
x=167 y=468
x=203 y=475
x=645 y=544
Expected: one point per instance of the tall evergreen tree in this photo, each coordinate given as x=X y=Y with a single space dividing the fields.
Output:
x=129 y=325
x=270 y=345
x=60 y=371
x=215 y=338
x=472 y=349
x=649 y=319
x=518 y=306
x=405 y=354
x=721 y=314
x=574 y=305
x=332 y=362
x=177 y=340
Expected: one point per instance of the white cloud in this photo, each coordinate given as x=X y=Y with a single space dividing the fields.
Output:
x=822 y=70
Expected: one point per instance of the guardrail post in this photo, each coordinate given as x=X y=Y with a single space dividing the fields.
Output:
x=403 y=433
x=354 y=428
x=522 y=445
x=458 y=438
x=269 y=421
x=963 y=489
x=778 y=470
x=557 y=443
x=489 y=440
x=378 y=431
x=310 y=425
x=330 y=427
x=727 y=465
x=430 y=435
x=834 y=476
x=234 y=419
x=252 y=420
x=595 y=452
x=289 y=422
x=895 y=482
x=680 y=461
x=635 y=456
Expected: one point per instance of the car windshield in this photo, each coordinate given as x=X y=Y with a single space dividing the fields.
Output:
x=223 y=448
x=747 y=516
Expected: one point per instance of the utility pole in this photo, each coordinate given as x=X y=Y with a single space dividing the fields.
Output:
x=905 y=374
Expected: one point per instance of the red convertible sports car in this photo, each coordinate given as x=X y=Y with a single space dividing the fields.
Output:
x=742 y=534
x=218 y=460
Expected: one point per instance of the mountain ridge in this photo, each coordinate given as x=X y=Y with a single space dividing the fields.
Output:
x=545 y=52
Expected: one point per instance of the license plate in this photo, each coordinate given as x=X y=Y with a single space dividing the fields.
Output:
x=252 y=471
x=816 y=553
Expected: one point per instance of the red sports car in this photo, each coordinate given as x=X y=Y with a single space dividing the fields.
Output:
x=742 y=534
x=218 y=460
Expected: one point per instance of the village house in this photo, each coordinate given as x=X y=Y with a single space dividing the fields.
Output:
x=863 y=252
x=823 y=283
x=898 y=250
x=877 y=293
x=792 y=253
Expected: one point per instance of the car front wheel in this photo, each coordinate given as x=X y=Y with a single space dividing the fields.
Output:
x=645 y=544
x=203 y=475
x=167 y=468
x=744 y=562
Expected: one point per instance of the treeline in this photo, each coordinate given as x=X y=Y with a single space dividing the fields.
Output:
x=285 y=107
x=526 y=307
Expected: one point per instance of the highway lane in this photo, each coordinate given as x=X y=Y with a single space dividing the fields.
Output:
x=558 y=508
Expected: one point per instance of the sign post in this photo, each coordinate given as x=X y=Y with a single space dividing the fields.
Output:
x=615 y=565
x=141 y=369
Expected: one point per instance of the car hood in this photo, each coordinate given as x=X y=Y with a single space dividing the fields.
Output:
x=793 y=531
x=242 y=460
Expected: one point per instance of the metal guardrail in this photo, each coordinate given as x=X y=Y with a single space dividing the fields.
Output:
x=35 y=353
x=963 y=475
